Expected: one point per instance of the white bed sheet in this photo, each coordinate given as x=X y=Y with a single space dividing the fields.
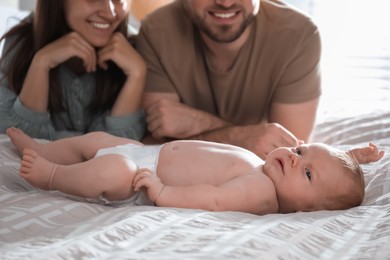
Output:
x=38 y=224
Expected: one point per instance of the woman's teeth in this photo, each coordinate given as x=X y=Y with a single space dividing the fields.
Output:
x=101 y=25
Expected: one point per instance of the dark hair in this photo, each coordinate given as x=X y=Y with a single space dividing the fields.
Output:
x=45 y=25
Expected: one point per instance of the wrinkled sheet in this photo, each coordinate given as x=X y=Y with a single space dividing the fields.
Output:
x=38 y=224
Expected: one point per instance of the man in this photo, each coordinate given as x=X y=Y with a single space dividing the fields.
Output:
x=244 y=72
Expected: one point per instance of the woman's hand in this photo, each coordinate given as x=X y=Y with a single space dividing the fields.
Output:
x=120 y=51
x=35 y=91
x=66 y=47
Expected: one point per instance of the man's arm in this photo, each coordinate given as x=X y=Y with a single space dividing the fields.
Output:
x=288 y=125
x=298 y=118
x=260 y=138
x=168 y=118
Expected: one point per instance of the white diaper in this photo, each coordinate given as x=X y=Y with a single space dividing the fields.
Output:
x=144 y=157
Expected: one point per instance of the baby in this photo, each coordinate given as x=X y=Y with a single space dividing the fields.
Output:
x=197 y=174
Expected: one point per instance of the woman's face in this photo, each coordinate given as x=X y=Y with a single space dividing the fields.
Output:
x=96 y=20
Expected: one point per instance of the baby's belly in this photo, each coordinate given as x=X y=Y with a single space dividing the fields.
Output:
x=198 y=162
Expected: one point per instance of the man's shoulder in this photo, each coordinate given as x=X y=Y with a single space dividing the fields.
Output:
x=166 y=28
x=276 y=14
x=169 y=18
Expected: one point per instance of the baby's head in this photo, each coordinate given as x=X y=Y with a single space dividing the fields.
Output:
x=348 y=193
x=315 y=177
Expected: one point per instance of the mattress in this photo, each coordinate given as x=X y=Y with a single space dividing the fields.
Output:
x=37 y=224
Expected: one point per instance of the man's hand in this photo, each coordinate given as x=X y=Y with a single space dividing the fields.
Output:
x=263 y=138
x=168 y=118
x=260 y=139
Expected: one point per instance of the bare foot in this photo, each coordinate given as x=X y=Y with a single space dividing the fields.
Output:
x=20 y=139
x=38 y=171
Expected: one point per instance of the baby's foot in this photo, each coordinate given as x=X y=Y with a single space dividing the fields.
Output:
x=20 y=139
x=38 y=171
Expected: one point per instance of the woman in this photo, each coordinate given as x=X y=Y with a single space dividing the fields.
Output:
x=69 y=68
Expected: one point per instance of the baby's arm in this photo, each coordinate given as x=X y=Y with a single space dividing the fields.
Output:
x=247 y=193
x=145 y=178
x=367 y=154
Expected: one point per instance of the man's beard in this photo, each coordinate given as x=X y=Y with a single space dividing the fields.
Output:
x=223 y=35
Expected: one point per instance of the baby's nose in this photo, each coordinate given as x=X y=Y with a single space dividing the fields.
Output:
x=294 y=159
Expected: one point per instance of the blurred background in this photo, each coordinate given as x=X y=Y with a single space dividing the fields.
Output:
x=22 y=4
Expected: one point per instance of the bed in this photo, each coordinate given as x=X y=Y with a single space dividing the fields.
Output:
x=38 y=224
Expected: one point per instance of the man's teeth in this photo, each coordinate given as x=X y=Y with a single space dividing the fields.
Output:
x=224 y=15
x=101 y=25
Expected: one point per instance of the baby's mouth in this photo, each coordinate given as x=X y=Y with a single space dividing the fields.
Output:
x=281 y=164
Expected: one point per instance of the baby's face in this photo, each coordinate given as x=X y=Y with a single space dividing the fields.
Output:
x=303 y=175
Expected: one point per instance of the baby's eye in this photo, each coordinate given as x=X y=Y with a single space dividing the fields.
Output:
x=298 y=151
x=308 y=174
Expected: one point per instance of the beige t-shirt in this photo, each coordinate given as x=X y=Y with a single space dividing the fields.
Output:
x=279 y=63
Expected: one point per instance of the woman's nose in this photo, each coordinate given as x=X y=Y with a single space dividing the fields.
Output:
x=107 y=9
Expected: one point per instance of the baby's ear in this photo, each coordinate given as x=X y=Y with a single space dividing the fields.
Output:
x=366 y=154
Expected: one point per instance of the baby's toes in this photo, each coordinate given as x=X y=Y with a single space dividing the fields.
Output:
x=30 y=152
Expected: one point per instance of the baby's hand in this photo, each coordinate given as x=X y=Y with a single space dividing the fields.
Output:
x=147 y=179
x=367 y=154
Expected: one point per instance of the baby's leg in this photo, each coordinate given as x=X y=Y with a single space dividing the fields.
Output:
x=68 y=150
x=37 y=171
x=108 y=175
x=21 y=140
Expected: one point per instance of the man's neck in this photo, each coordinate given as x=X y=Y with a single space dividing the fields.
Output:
x=221 y=56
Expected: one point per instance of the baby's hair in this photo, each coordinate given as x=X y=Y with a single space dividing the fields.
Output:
x=352 y=192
